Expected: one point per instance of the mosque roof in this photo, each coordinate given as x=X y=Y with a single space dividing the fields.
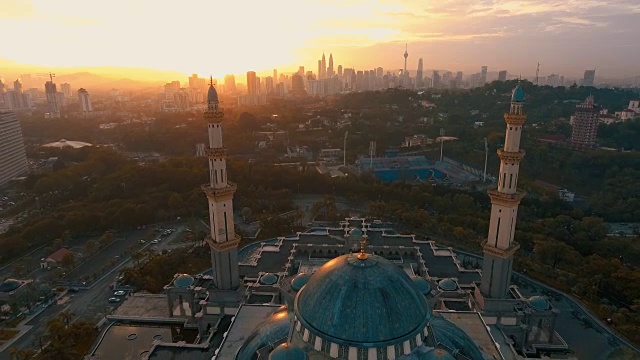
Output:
x=518 y=94
x=448 y=284
x=268 y=279
x=452 y=337
x=384 y=304
x=212 y=95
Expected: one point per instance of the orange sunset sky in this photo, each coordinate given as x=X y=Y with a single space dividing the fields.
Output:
x=218 y=37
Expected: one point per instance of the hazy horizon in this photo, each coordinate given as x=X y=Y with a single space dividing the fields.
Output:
x=119 y=38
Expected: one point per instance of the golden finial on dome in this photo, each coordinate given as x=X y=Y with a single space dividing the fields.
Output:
x=363 y=247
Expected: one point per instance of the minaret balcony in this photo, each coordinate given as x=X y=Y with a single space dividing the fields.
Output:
x=515 y=119
x=220 y=193
x=214 y=117
x=216 y=152
x=223 y=246
x=503 y=253
x=505 y=199
x=510 y=156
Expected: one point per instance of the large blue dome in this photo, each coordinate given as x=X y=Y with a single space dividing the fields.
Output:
x=363 y=303
x=518 y=94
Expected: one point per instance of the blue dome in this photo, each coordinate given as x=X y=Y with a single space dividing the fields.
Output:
x=10 y=285
x=364 y=303
x=212 y=96
x=452 y=337
x=268 y=279
x=422 y=285
x=287 y=352
x=538 y=303
x=183 y=280
x=448 y=285
x=272 y=330
x=299 y=281
x=518 y=94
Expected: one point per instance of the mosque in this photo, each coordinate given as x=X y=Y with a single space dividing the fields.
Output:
x=356 y=290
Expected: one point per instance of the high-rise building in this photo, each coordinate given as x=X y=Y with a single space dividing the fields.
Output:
x=483 y=75
x=502 y=75
x=301 y=70
x=13 y=158
x=275 y=75
x=196 y=90
x=435 y=80
x=459 y=79
x=252 y=83
x=17 y=86
x=52 y=99
x=85 y=101
x=500 y=247
x=222 y=239
x=297 y=85
x=584 y=124
x=268 y=84
x=330 y=72
x=419 y=74
x=230 y=84
x=340 y=71
x=589 y=77
x=66 y=90
x=170 y=89
x=323 y=68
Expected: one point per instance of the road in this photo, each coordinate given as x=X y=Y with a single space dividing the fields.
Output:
x=88 y=305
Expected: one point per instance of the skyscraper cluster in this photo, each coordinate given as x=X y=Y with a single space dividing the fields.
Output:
x=584 y=124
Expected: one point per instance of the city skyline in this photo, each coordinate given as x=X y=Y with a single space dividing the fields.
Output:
x=450 y=35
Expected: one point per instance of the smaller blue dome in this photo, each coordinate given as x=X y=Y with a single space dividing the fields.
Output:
x=518 y=94
x=287 y=352
x=10 y=285
x=448 y=285
x=268 y=279
x=299 y=281
x=538 y=303
x=355 y=232
x=183 y=280
x=212 y=96
x=422 y=284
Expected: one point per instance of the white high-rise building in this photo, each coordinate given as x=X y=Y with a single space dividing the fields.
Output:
x=13 y=158
x=85 y=101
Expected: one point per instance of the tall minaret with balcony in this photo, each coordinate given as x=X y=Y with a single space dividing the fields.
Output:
x=222 y=240
x=499 y=246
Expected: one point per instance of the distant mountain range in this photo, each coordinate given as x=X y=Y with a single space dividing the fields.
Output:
x=93 y=78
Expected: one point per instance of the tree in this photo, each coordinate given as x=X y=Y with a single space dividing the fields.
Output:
x=176 y=203
x=106 y=239
x=69 y=260
x=246 y=214
x=90 y=247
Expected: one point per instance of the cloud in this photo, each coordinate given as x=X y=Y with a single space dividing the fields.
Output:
x=12 y=9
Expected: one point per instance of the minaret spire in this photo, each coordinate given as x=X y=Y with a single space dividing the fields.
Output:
x=500 y=247
x=222 y=239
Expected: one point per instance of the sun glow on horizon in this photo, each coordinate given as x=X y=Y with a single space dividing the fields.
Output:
x=232 y=37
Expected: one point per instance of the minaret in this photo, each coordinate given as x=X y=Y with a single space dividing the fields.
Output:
x=499 y=246
x=222 y=240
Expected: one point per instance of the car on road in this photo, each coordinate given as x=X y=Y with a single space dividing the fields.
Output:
x=114 y=300
x=119 y=293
